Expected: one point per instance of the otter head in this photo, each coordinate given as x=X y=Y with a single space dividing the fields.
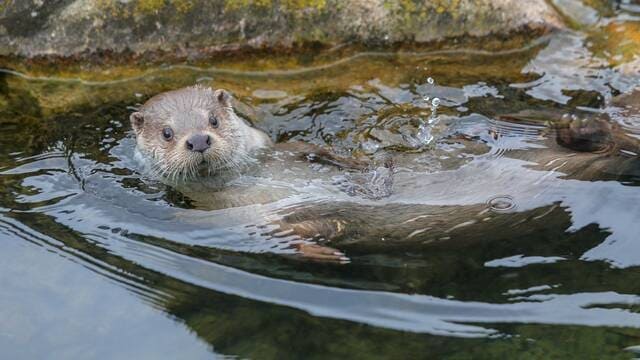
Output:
x=192 y=132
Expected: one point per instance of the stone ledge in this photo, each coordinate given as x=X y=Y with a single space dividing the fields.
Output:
x=63 y=28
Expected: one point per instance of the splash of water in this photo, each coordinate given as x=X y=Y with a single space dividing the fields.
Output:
x=424 y=134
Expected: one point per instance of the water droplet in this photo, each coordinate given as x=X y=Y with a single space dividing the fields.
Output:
x=501 y=203
x=435 y=102
x=426 y=98
x=430 y=80
x=369 y=147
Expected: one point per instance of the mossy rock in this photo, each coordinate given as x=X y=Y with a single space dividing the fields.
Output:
x=70 y=27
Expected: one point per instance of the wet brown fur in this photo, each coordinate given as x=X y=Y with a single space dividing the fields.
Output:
x=187 y=112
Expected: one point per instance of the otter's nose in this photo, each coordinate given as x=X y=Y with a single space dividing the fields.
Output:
x=199 y=143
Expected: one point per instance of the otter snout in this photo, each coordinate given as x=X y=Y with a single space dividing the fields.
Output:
x=199 y=143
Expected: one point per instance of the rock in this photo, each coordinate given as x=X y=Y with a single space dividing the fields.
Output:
x=578 y=12
x=32 y=28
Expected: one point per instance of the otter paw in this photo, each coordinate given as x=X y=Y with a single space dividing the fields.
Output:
x=317 y=252
x=586 y=135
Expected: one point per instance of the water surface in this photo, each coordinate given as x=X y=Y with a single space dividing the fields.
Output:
x=495 y=242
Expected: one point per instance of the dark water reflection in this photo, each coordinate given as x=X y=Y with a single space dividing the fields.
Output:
x=91 y=249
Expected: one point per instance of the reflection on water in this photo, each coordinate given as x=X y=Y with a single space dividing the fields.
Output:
x=81 y=304
x=495 y=240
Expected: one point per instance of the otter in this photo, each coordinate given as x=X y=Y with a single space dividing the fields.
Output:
x=187 y=135
x=192 y=139
x=184 y=134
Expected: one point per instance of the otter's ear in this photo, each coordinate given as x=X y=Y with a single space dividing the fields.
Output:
x=137 y=121
x=223 y=97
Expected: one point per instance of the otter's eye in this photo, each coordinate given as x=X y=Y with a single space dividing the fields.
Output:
x=167 y=133
x=213 y=120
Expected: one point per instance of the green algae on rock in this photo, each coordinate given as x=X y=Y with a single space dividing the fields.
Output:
x=66 y=28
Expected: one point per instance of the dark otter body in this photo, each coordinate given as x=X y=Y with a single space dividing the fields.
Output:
x=286 y=198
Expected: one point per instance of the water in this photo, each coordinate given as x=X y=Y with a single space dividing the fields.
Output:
x=495 y=241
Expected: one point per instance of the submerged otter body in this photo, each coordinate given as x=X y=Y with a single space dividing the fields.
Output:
x=192 y=134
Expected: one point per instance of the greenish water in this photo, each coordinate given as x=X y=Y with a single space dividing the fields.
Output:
x=99 y=261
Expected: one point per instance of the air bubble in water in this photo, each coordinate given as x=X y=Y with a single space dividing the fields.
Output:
x=501 y=203
x=430 y=80
x=435 y=102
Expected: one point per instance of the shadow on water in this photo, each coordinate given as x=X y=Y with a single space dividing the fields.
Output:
x=495 y=242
